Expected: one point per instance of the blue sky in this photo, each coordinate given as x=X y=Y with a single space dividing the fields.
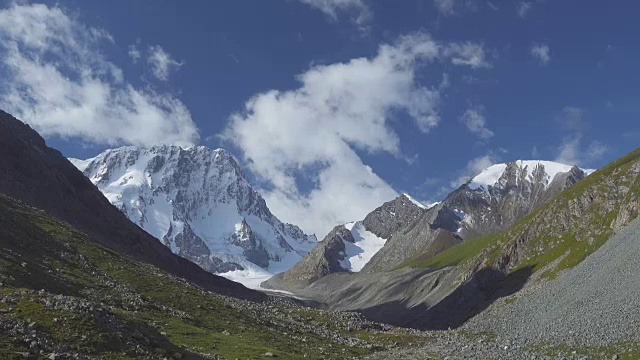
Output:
x=355 y=100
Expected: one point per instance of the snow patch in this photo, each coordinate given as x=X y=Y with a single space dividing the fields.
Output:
x=416 y=202
x=81 y=164
x=491 y=175
x=366 y=244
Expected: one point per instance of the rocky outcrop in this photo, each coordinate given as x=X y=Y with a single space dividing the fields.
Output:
x=322 y=260
x=393 y=216
x=430 y=234
x=409 y=228
x=520 y=188
x=563 y=232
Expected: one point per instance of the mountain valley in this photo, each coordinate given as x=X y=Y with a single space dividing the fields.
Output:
x=117 y=261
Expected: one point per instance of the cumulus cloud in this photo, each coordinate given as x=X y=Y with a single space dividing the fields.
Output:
x=56 y=78
x=541 y=53
x=315 y=132
x=475 y=121
x=467 y=54
x=358 y=10
x=161 y=62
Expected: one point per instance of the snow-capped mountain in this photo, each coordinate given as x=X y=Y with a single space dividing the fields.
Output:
x=503 y=193
x=386 y=236
x=405 y=228
x=199 y=204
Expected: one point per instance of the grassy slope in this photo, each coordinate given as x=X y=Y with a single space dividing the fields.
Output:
x=569 y=246
x=124 y=309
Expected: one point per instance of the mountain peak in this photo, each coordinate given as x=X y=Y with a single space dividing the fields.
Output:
x=198 y=202
x=528 y=169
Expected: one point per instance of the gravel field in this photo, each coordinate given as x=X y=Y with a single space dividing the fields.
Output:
x=595 y=303
x=590 y=312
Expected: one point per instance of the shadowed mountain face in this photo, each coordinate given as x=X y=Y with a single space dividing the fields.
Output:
x=492 y=201
x=388 y=235
x=42 y=177
x=557 y=219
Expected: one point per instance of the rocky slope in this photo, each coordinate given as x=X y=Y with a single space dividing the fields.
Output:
x=593 y=303
x=199 y=204
x=433 y=232
x=449 y=288
x=491 y=201
x=40 y=176
x=78 y=280
x=504 y=193
x=557 y=236
x=63 y=295
x=386 y=236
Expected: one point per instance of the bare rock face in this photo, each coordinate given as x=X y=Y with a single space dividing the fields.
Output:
x=198 y=201
x=324 y=259
x=393 y=216
x=519 y=189
x=570 y=226
x=407 y=227
x=418 y=237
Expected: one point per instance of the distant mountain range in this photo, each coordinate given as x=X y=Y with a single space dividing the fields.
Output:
x=198 y=202
x=404 y=228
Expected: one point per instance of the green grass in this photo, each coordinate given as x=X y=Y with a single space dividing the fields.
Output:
x=455 y=255
x=552 y=242
x=169 y=316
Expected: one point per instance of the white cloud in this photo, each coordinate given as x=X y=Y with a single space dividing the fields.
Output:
x=492 y=6
x=523 y=8
x=596 y=150
x=56 y=78
x=541 y=53
x=467 y=54
x=161 y=63
x=313 y=132
x=571 y=118
x=445 y=7
x=134 y=53
x=572 y=151
x=473 y=168
x=360 y=12
x=454 y=7
x=535 y=154
x=569 y=151
x=476 y=123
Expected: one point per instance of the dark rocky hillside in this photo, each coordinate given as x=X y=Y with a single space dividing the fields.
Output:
x=42 y=177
